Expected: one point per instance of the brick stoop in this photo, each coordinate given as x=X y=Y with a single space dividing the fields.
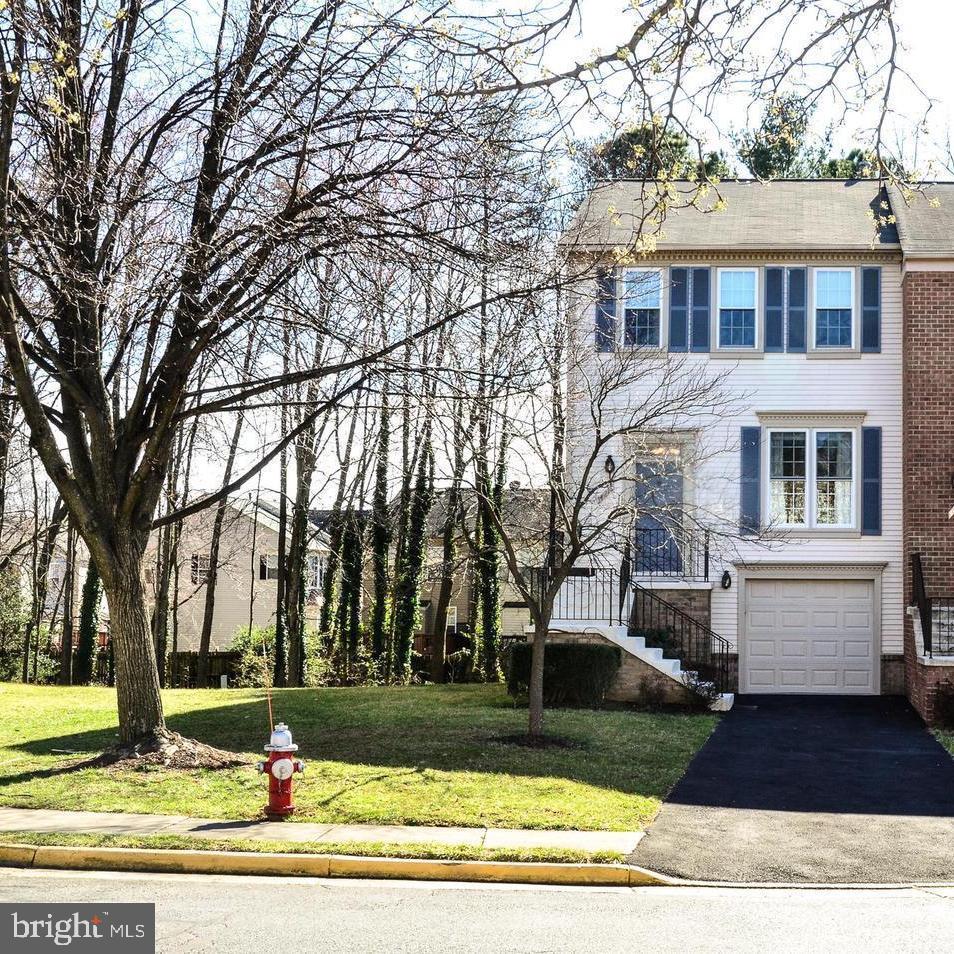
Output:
x=645 y=675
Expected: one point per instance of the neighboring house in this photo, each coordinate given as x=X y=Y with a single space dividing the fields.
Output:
x=246 y=584
x=835 y=461
x=526 y=510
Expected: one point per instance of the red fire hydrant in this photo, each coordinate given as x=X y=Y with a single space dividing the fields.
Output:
x=280 y=767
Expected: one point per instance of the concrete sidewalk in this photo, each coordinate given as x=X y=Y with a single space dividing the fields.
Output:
x=123 y=823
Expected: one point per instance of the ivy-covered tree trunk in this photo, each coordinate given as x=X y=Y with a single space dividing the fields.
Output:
x=66 y=642
x=349 y=599
x=448 y=554
x=412 y=566
x=380 y=542
x=88 y=627
x=488 y=577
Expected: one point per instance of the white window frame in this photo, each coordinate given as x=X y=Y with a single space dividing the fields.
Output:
x=811 y=477
x=754 y=269
x=621 y=310
x=827 y=349
x=199 y=566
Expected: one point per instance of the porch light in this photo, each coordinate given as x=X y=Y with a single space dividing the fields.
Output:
x=610 y=465
x=726 y=579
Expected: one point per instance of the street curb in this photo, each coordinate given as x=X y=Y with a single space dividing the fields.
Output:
x=324 y=866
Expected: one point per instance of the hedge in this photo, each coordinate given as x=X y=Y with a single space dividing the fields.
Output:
x=577 y=674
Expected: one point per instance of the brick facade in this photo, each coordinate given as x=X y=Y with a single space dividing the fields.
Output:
x=928 y=459
x=696 y=603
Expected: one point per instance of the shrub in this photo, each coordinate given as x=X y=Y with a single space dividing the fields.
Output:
x=577 y=674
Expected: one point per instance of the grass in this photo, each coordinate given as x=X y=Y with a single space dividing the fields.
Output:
x=946 y=738
x=363 y=849
x=415 y=755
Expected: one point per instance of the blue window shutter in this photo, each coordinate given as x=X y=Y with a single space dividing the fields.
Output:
x=871 y=309
x=797 y=308
x=678 y=309
x=774 y=318
x=871 y=481
x=605 y=311
x=701 y=285
x=750 y=516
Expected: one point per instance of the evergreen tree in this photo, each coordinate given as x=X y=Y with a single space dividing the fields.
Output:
x=85 y=661
x=777 y=148
x=647 y=151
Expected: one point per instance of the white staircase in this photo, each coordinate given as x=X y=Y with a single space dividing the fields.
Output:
x=636 y=646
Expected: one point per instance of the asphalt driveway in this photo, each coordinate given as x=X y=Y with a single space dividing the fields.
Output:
x=811 y=788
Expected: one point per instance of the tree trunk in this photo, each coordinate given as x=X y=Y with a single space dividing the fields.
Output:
x=536 y=679
x=160 y=612
x=66 y=641
x=137 y=681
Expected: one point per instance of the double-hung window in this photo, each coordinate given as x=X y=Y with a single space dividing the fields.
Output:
x=738 y=297
x=642 y=308
x=812 y=478
x=268 y=566
x=834 y=307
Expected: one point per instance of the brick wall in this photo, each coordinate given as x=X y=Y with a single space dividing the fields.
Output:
x=694 y=603
x=928 y=452
x=636 y=681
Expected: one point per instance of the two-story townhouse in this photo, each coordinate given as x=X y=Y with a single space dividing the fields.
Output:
x=791 y=296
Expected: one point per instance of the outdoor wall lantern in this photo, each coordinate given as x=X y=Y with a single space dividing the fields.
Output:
x=726 y=579
x=610 y=466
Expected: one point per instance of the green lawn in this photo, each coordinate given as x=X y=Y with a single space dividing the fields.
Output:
x=416 y=755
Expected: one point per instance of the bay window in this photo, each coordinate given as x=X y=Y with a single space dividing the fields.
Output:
x=811 y=478
x=738 y=297
x=834 y=307
x=642 y=308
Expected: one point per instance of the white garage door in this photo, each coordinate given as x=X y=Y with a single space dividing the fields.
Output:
x=809 y=636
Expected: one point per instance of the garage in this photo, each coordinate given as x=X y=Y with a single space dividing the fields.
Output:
x=809 y=635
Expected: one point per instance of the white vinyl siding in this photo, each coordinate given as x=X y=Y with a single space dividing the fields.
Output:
x=792 y=382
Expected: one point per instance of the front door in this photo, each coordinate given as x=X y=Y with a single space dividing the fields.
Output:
x=659 y=500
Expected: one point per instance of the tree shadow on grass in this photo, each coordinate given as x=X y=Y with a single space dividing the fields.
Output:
x=416 y=730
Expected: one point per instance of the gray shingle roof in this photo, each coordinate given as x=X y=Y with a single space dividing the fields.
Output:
x=926 y=231
x=783 y=214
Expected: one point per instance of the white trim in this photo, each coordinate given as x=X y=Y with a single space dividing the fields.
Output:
x=663 y=314
x=716 y=343
x=811 y=477
x=813 y=338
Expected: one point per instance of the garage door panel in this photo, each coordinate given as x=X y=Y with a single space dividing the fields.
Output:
x=794 y=647
x=809 y=636
x=792 y=678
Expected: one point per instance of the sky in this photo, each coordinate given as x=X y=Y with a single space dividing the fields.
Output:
x=924 y=28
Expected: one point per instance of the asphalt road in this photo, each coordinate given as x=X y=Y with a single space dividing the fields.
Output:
x=197 y=913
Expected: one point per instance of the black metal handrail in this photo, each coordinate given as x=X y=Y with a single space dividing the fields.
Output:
x=680 y=636
x=671 y=552
x=921 y=601
x=589 y=594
